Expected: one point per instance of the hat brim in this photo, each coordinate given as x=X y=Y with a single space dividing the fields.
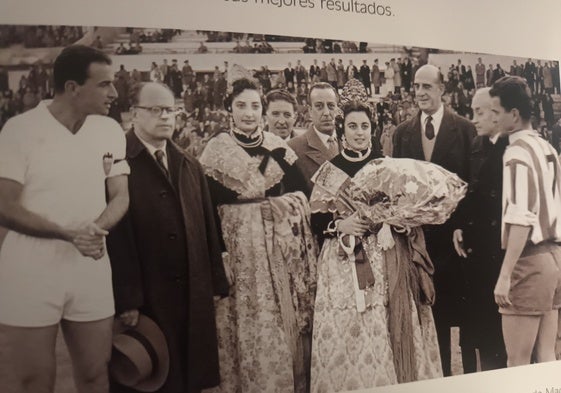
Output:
x=153 y=334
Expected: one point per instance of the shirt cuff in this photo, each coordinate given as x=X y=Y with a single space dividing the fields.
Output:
x=515 y=215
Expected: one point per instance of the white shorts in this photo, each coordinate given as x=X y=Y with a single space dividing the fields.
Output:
x=43 y=281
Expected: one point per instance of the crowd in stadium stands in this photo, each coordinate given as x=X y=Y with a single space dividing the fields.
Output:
x=39 y=36
x=162 y=35
x=250 y=43
x=202 y=93
x=32 y=88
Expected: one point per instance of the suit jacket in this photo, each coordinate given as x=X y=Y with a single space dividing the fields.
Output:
x=479 y=217
x=311 y=152
x=452 y=146
x=289 y=75
x=166 y=261
x=376 y=75
x=331 y=72
x=365 y=74
x=479 y=213
x=451 y=151
x=314 y=71
x=480 y=73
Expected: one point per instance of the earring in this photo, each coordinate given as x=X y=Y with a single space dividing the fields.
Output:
x=344 y=143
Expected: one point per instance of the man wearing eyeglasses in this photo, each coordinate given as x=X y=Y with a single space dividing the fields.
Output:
x=166 y=253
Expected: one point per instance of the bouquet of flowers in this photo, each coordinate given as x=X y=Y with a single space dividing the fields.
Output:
x=399 y=192
x=406 y=192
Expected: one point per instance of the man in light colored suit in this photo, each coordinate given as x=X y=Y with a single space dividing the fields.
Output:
x=479 y=73
x=444 y=138
x=319 y=143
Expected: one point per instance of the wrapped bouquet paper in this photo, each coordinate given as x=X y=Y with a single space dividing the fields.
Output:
x=399 y=192
x=394 y=194
x=405 y=193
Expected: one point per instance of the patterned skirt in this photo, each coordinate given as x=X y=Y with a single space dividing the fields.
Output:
x=351 y=349
x=262 y=324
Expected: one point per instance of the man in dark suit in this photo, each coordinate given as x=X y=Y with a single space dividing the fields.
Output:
x=289 y=77
x=319 y=143
x=406 y=74
x=365 y=77
x=314 y=72
x=530 y=74
x=489 y=75
x=478 y=238
x=166 y=252
x=444 y=138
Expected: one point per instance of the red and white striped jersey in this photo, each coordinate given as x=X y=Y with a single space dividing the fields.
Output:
x=531 y=187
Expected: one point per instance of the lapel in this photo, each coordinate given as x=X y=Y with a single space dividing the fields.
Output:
x=316 y=151
x=480 y=154
x=414 y=138
x=136 y=149
x=445 y=138
x=175 y=159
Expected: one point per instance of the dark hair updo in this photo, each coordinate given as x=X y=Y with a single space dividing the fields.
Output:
x=238 y=86
x=352 y=106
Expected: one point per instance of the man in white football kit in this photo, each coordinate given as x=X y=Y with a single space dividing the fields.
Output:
x=63 y=185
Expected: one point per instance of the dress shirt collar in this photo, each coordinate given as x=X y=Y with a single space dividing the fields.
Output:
x=324 y=137
x=493 y=139
x=436 y=119
x=151 y=149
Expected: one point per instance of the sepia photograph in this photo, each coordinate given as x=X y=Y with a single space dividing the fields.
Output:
x=232 y=212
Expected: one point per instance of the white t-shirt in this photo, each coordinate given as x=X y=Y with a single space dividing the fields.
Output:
x=63 y=174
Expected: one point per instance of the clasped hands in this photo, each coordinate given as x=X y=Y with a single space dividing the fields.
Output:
x=353 y=225
x=89 y=239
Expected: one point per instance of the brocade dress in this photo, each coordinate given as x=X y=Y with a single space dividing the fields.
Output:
x=269 y=246
x=354 y=349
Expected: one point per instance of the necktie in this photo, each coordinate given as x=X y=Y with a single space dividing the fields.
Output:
x=333 y=146
x=160 y=157
x=429 y=129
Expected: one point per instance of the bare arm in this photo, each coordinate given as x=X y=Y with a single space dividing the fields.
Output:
x=117 y=202
x=17 y=218
x=517 y=238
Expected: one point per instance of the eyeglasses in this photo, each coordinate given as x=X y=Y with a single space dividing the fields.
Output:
x=158 y=110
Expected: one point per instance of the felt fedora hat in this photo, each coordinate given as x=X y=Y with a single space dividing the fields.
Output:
x=140 y=357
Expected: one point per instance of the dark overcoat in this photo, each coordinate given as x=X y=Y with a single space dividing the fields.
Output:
x=166 y=261
x=452 y=152
x=479 y=217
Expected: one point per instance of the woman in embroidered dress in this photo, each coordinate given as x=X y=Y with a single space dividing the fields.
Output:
x=270 y=252
x=370 y=329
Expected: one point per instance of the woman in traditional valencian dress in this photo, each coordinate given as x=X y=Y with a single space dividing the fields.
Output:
x=270 y=252
x=371 y=326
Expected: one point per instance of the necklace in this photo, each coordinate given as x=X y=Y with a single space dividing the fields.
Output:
x=248 y=145
x=360 y=156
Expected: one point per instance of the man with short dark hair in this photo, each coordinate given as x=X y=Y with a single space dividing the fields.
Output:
x=166 y=253
x=364 y=73
x=280 y=113
x=63 y=186
x=440 y=136
x=319 y=143
x=528 y=290
x=289 y=73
